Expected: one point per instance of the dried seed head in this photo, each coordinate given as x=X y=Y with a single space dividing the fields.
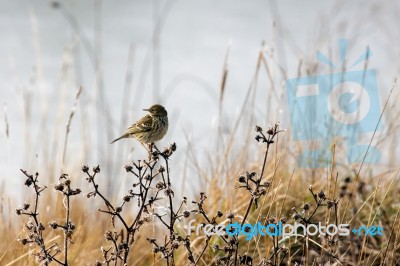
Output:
x=160 y=185
x=59 y=187
x=267 y=184
x=169 y=192
x=53 y=225
x=123 y=246
x=85 y=168
x=41 y=227
x=96 y=169
x=29 y=182
x=173 y=146
x=72 y=226
x=242 y=179
x=128 y=168
x=186 y=214
x=175 y=245
x=321 y=195
x=108 y=235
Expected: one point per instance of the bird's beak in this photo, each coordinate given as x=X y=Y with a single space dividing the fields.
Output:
x=148 y=110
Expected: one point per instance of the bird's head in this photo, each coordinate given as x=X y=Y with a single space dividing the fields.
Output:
x=156 y=110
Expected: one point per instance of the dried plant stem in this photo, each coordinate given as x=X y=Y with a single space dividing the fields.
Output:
x=7 y=126
x=67 y=224
x=68 y=126
x=369 y=145
x=146 y=174
x=269 y=139
x=35 y=234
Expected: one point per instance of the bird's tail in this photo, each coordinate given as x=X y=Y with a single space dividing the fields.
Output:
x=123 y=136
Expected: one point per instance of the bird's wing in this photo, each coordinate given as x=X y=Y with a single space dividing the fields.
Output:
x=143 y=125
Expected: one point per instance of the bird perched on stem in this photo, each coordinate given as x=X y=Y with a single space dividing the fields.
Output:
x=149 y=128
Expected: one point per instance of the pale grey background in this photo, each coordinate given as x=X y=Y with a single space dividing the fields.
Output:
x=41 y=53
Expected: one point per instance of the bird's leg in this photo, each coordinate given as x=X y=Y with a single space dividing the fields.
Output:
x=148 y=150
x=151 y=145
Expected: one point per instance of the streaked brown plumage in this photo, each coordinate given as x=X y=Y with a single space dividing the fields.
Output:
x=149 y=128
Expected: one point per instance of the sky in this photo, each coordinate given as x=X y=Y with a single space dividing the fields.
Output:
x=127 y=55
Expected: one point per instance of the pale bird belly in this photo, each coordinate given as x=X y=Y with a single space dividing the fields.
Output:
x=159 y=135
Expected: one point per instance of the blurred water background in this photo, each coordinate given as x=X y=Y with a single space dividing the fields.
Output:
x=127 y=55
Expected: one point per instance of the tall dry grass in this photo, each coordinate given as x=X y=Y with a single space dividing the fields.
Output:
x=354 y=194
x=287 y=198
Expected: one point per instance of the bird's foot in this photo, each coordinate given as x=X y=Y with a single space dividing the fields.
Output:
x=151 y=146
x=150 y=149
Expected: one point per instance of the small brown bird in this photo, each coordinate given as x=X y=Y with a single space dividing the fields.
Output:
x=149 y=128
